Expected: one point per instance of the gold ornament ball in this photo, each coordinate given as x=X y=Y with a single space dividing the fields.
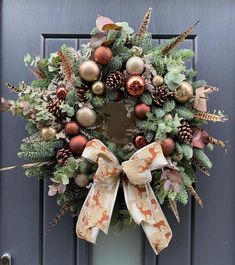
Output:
x=86 y=117
x=103 y=55
x=81 y=180
x=177 y=157
x=48 y=133
x=184 y=92
x=98 y=88
x=89 y=71
x=157 y=80
x=135 y=65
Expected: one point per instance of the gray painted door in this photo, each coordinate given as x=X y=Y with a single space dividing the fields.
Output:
x=205 y=236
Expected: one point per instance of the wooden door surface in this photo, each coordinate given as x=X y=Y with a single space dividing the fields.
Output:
x=205 y=236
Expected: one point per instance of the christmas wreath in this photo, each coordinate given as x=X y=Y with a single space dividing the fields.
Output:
x=98 y=180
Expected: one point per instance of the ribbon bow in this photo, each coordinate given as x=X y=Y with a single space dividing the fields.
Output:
x=141 y=202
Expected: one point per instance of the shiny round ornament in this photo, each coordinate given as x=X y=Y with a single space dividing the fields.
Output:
x=98 y=88
x=140 y=141
x=119 y=95
x=135 y=65
x=71 y=128
x=177 y=157
x=89 y=71
x=141 y=110
x=168 y=146
x=81 y=180
x=135 y=85
x=86 y=117
x=184 y=92
x=77 y=144
x=61 y=92
x=103 y=55
x=48 y=133
x=157 y=80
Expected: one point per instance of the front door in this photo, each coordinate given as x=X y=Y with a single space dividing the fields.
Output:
x=204 y=236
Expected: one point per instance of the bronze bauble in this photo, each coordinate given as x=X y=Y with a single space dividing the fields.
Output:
x=72 y=128
x=103 y=55
x=119 y=95
x=86 y=117
x=140 y=141
x=157 y=80
x=135 y=85
x=81 y=180
x=135 y=65
x=77 y=144
x=141 y=110
x=89 y=71
x=168 y=146
x=61 y=92
x=98 y=88
x=184 y=92
x=48 y=133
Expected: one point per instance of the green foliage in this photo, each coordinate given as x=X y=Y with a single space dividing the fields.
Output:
x=201 y=156
x=145 y=42
x=174 y=77
x=45 y=172
x=182 y=54
x=114 y=65
x=187 y=151
x=86 y=167
x=169 y=106
x=31 y=128
x=182 y=195
x=198 y=83
x=69 y=53
x=189 y=74
x=146 y=98
x=42 y=83
x=66 y=108
x=210 y=147
x=184 y=112
x=72 y=98
x=97 y=101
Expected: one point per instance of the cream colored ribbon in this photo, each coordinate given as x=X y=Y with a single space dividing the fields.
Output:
x=141 y=202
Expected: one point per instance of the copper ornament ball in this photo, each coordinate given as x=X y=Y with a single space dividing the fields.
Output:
x=119 y=95
x=135 y=65
x=168 y=146
x=81 y=180
x=77 y=144
x=71 y=128
x=141 y=110
x=98 y=88
x=140 y=141
x=89 y=71
x=48 y=133
x=184 y=92
x=103 y=55
x=61 y=92
x=86 y=117
x=157 y=80
x=135 y=85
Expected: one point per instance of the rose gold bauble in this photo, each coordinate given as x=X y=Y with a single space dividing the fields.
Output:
x=168 y=146
x=141 y=110
x=135 y=85
x=81 y=180
x=103 y=55
x=135 y=65
x=48 y=133
x=183 y=93
x=89 y=71
x=157 y=80
x=71 y=128
x=77 y=144
x=140 y=141
x=119 y=95
x=98 y=88
x=86 y=117
x=61 y=92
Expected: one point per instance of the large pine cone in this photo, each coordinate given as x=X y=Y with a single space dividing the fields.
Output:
x=62 y=156
x=115 y=80
x=185 y=132
x=81 y=91
x=161 y=95
x=53 y=108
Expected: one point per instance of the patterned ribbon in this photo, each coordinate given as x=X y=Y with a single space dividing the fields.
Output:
x=140 y=199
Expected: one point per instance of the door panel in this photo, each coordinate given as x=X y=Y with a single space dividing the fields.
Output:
x=26 y=210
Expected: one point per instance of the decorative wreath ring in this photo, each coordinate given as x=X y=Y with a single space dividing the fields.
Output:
x=67 y=141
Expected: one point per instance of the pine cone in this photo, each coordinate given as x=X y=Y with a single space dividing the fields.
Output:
x=185 y=133
x=115 y=80
x=81 y=91
x=53 y=107
x=62 y=156
x=161 y=95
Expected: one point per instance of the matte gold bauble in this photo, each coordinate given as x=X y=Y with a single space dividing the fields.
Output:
x=48 y=133
x=81 y=180
x=135 y=65
x=183 y=93
x=168 y=146
x=77 y=144
x=135 y=85
x=98 y=88
x=103 y=55
x=177 y=157
x=89 y=71
x=86 y=117
x=157 y=80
